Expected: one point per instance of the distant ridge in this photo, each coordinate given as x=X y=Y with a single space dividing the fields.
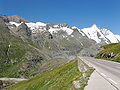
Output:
x=14 y=18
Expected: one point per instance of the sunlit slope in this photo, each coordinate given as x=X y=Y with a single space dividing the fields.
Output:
x=110 y=52
x=60 y=78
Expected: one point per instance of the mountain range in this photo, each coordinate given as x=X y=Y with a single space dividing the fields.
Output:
x=31 y=48
x=94 y=32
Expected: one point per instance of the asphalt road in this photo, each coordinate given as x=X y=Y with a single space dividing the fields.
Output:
x=109 y=70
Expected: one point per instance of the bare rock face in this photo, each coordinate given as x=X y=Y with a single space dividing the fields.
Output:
x=109 y=55
x=2 y=22
x=24 y=30
x=13 y=18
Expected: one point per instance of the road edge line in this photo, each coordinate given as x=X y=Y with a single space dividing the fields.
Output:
x=89 y=64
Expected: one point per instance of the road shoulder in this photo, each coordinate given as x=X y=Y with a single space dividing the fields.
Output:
x=97 y=82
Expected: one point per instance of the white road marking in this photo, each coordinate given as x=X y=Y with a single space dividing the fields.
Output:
x=112 y=80
x=103 y=74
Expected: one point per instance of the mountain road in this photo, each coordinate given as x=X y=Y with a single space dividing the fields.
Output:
x=107 y=70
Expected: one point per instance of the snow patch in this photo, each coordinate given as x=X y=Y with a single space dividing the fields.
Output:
x=36 y=27
x=110 y=36
x=40 y=24
x=55 y=30
x=81 y=43
x=72 y=35
x=118 y=37
x=14 y=23
x=74 y=27
x=68 y=30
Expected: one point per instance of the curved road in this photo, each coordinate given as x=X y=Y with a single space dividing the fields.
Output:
x=108 y=69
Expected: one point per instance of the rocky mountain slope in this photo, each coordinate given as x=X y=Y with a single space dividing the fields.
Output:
x=20 y=58
x=13 y=18
x=85 y=40
x=100 y=35
x=29 y=48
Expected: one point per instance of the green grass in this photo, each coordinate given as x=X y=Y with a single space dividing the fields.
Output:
x=108 y=49
x=10 y=56
x=14 y=59
x=109 y=45
x=60 y=78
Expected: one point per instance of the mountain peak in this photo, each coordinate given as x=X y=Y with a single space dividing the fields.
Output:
x=94 y=26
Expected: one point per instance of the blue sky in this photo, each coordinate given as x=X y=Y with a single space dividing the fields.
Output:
x=81 y=13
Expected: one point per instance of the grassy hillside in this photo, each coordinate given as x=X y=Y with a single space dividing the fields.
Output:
x=110 y=52
x=60 y=78
x=12 y=50
x=20 y=59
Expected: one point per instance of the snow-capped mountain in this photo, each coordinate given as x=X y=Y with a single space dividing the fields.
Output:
x=100 y=35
